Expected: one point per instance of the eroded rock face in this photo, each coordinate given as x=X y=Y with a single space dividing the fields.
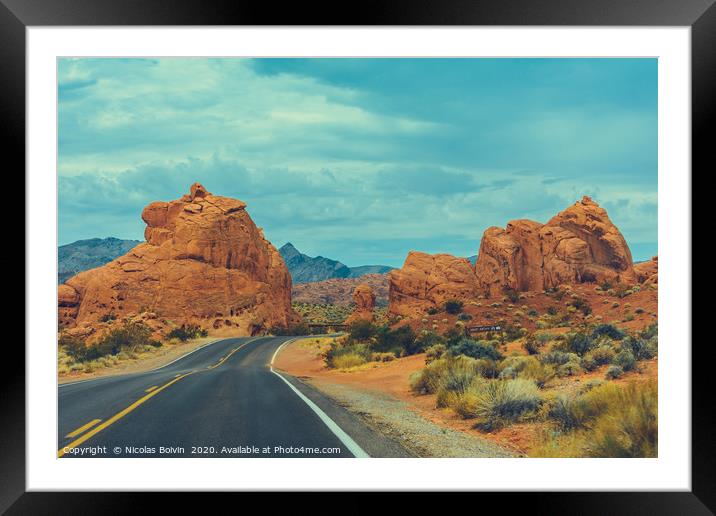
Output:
x=577 y=245
x=648 y=272
x=364 y=299
x=204 y=262
x=428 y=280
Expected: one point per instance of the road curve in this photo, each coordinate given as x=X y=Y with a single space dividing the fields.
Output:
x=223 y=400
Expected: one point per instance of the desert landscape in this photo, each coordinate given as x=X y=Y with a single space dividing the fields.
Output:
x=546 y=346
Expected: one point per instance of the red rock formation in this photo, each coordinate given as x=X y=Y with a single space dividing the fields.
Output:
x=648 y=272
x=427 y=281
x=579 y=244
x=364 y=298
x=204 y=262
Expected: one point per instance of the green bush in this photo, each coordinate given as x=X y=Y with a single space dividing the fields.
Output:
x=401 y=341
x=433 y=310
x=347 y=355
x=187 y=331
x=362 y=331
x=75 y=348
x=558 y=357
x=579 y=343
x=625 y=359
x=474 y=349
x=464 y=317
x=434 y=352
x=453 y=306
x=608 y=330
x=111 y=316
x=642 y=349
x=597 y=357
x=498 y=402
x=614 y=372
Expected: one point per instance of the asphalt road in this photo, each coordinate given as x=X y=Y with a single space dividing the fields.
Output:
x=222 y=400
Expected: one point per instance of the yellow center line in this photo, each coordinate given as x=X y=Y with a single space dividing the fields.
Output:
x=83 y=428
x=224 y=359
x=118 y=416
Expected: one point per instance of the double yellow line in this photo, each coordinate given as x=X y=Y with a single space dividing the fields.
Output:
x=119 y=415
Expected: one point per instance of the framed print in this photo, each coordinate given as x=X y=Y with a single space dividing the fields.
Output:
x=429 y=241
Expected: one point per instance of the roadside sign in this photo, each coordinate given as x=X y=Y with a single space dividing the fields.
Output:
x=485 y=328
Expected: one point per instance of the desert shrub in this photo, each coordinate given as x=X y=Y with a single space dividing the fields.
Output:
x=111 y=316
x=625 y=359
x=622 y=290
x=538 y=372
x=579 y=343
x=532 y=345
x=558 y=357
x=186 y=332
x=382 y=357
x=474 y=349
x=464 y=317
x=75 y=348
x=130 y=337
x=511 y=294
x=650 y=331
x=498 y=402
x=347 y=360
x=361 y=331
x=569 y=369
x=641 y=349
x=512 y=332
x=453 y=306
x=427 y=380
x=608 y=330
x=434 y=352
x=565 y=411
x=453 y=336
x=433 y=310
x=456 y=379
x=582 y=305
x=597 y=357
x=614 y=372
x=401 y=341
x=345 y=355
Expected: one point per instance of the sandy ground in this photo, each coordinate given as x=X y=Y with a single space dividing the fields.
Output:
x=380 y=393
x=167 y=353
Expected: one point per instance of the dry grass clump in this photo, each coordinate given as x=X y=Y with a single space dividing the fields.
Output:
x=495 y=403
x=607 y=421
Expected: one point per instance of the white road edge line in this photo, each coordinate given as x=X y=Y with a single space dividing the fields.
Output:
x=346 y=439
x=156 y=368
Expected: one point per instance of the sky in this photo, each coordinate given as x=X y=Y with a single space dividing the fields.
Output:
x=360 y=160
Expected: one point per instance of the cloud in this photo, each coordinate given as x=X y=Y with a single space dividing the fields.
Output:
x=360 y=160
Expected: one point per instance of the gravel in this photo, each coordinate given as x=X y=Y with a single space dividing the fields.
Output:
x=393 y=418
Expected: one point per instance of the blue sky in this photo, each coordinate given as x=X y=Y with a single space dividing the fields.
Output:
x=360 y=160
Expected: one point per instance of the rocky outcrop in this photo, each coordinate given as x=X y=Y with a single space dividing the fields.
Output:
x=339 y=291
x=204 y=262
x=364 y=299
x=648 y=272
x=577 y=245
x=428 y=280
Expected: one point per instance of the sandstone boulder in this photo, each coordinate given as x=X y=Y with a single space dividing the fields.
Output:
x=204 y=262
x=364 y=299
x=577 y=245
x=427 y=281
x=648 y=272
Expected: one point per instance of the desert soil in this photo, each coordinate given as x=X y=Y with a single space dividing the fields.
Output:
x=380 y=393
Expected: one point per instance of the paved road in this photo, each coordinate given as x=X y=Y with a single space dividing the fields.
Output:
x=222 y=400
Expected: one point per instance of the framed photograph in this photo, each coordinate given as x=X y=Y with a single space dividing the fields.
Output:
x=429 y=240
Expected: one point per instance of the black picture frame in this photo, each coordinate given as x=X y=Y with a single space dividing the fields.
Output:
x=700 y=15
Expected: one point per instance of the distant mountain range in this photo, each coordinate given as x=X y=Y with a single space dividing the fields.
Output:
x=87 y=254
x=307 y=269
